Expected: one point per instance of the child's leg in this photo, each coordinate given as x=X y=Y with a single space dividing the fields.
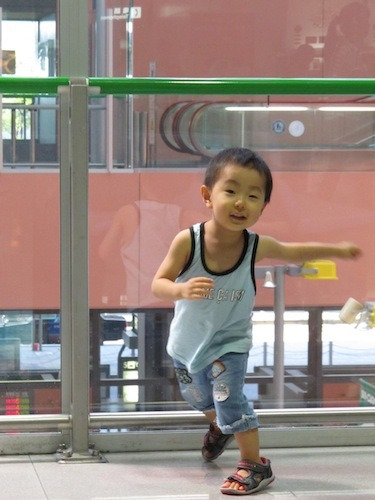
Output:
x=214 y=442
x=196 y=389
x=235 y=415
x=253 y=472
x=248 y=443
x=211 y=415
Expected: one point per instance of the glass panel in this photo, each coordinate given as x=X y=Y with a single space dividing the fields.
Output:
x=136 y=212
x=186 y=131
x=156 y=147
x=29 y=362
x=30 y=123
x=273 y=38
x=29 y=208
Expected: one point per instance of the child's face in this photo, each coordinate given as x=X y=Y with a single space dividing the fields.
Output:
x=237 y=198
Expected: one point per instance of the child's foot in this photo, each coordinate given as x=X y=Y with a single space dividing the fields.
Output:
x=248 y=478
x=215 y=443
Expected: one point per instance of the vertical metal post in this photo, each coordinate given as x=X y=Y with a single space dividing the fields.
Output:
x=13 y=135
x=1 y=97
x=129 y=98
x=109 y=98
x=265 y=353
x=98 y=137
x=242 y=114
x=141 y=330
x=278 y=372
x=79 y=262
x=330 y=356
x=151 y=126
x=73 y=38
x=32 y=136
x=65 y=261
x=314 y=394
x=75 y=302
x=74 y=62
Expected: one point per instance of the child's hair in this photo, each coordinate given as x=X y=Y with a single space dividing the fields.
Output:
x=242 y=157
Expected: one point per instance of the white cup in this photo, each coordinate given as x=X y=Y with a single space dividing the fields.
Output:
x=350 y=310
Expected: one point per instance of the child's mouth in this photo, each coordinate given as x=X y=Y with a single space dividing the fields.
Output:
x=238 y=217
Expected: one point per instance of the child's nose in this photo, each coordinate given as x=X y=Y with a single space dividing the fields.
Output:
x=240 y=203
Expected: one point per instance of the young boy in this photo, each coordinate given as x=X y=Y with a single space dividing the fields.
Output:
x=209 y=273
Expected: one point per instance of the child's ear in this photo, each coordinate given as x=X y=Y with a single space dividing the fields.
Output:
x=206 y=195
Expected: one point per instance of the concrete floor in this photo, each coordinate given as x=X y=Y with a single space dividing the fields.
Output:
x=308 y=473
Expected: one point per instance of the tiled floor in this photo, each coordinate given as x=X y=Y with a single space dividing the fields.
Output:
x=307 y=473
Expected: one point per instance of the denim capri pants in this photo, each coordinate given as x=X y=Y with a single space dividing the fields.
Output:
x=219 y=387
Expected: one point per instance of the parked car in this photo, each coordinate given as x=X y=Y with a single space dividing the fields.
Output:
x=112 y=326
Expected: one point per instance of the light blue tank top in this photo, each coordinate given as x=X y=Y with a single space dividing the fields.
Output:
x=203 y=330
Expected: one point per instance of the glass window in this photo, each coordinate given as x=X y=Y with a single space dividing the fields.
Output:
x=156 y=147
x=136 y=212
x=29 y=362
x=30 y=239
x=29 y=125
x=273 y=38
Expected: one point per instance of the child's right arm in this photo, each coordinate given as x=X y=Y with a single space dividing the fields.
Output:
x=298 y=253
x=164 y=286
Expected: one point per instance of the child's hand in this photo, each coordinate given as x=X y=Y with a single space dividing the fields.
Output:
x=197 y=288
x=349 y=250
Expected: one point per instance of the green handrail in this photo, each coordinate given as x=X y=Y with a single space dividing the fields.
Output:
x=14 y=85
x=210 y=86
x=10 y=85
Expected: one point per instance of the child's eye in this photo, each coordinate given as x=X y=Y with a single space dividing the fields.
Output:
x=229 y=191
x=253 y=196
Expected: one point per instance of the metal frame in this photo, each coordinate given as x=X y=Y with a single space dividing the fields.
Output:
x=75 y=306
x=74 y=424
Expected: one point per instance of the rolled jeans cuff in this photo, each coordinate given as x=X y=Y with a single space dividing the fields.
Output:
x=247 y=422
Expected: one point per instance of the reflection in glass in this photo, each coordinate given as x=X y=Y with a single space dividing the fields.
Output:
x=29 y=363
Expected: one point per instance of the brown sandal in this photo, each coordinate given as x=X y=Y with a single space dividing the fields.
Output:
x=214 y=443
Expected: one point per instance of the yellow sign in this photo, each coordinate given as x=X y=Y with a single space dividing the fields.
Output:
x=325 y=270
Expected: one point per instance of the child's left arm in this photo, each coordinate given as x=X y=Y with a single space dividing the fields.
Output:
x=299 y=253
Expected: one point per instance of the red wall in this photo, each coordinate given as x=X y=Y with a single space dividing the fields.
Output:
x=260 y=38
x=305 y=206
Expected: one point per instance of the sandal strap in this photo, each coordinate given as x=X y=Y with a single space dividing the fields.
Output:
x=245 y=481
x=251 y=466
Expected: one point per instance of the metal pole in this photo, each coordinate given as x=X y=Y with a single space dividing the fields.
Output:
x=41 y=423
x=13 y=134
x=278 y=370
x=129 y=98
x=315 y=363
x=98 y=121
x=65 y=262
x=109 y=98
x=1 y=97
x=79 y=450
x=128 y=420
x=75 y=303
x=32 y=136
x=266 y=417
x=79 y=264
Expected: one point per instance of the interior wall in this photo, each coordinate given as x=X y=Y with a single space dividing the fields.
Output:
x=145 y=210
